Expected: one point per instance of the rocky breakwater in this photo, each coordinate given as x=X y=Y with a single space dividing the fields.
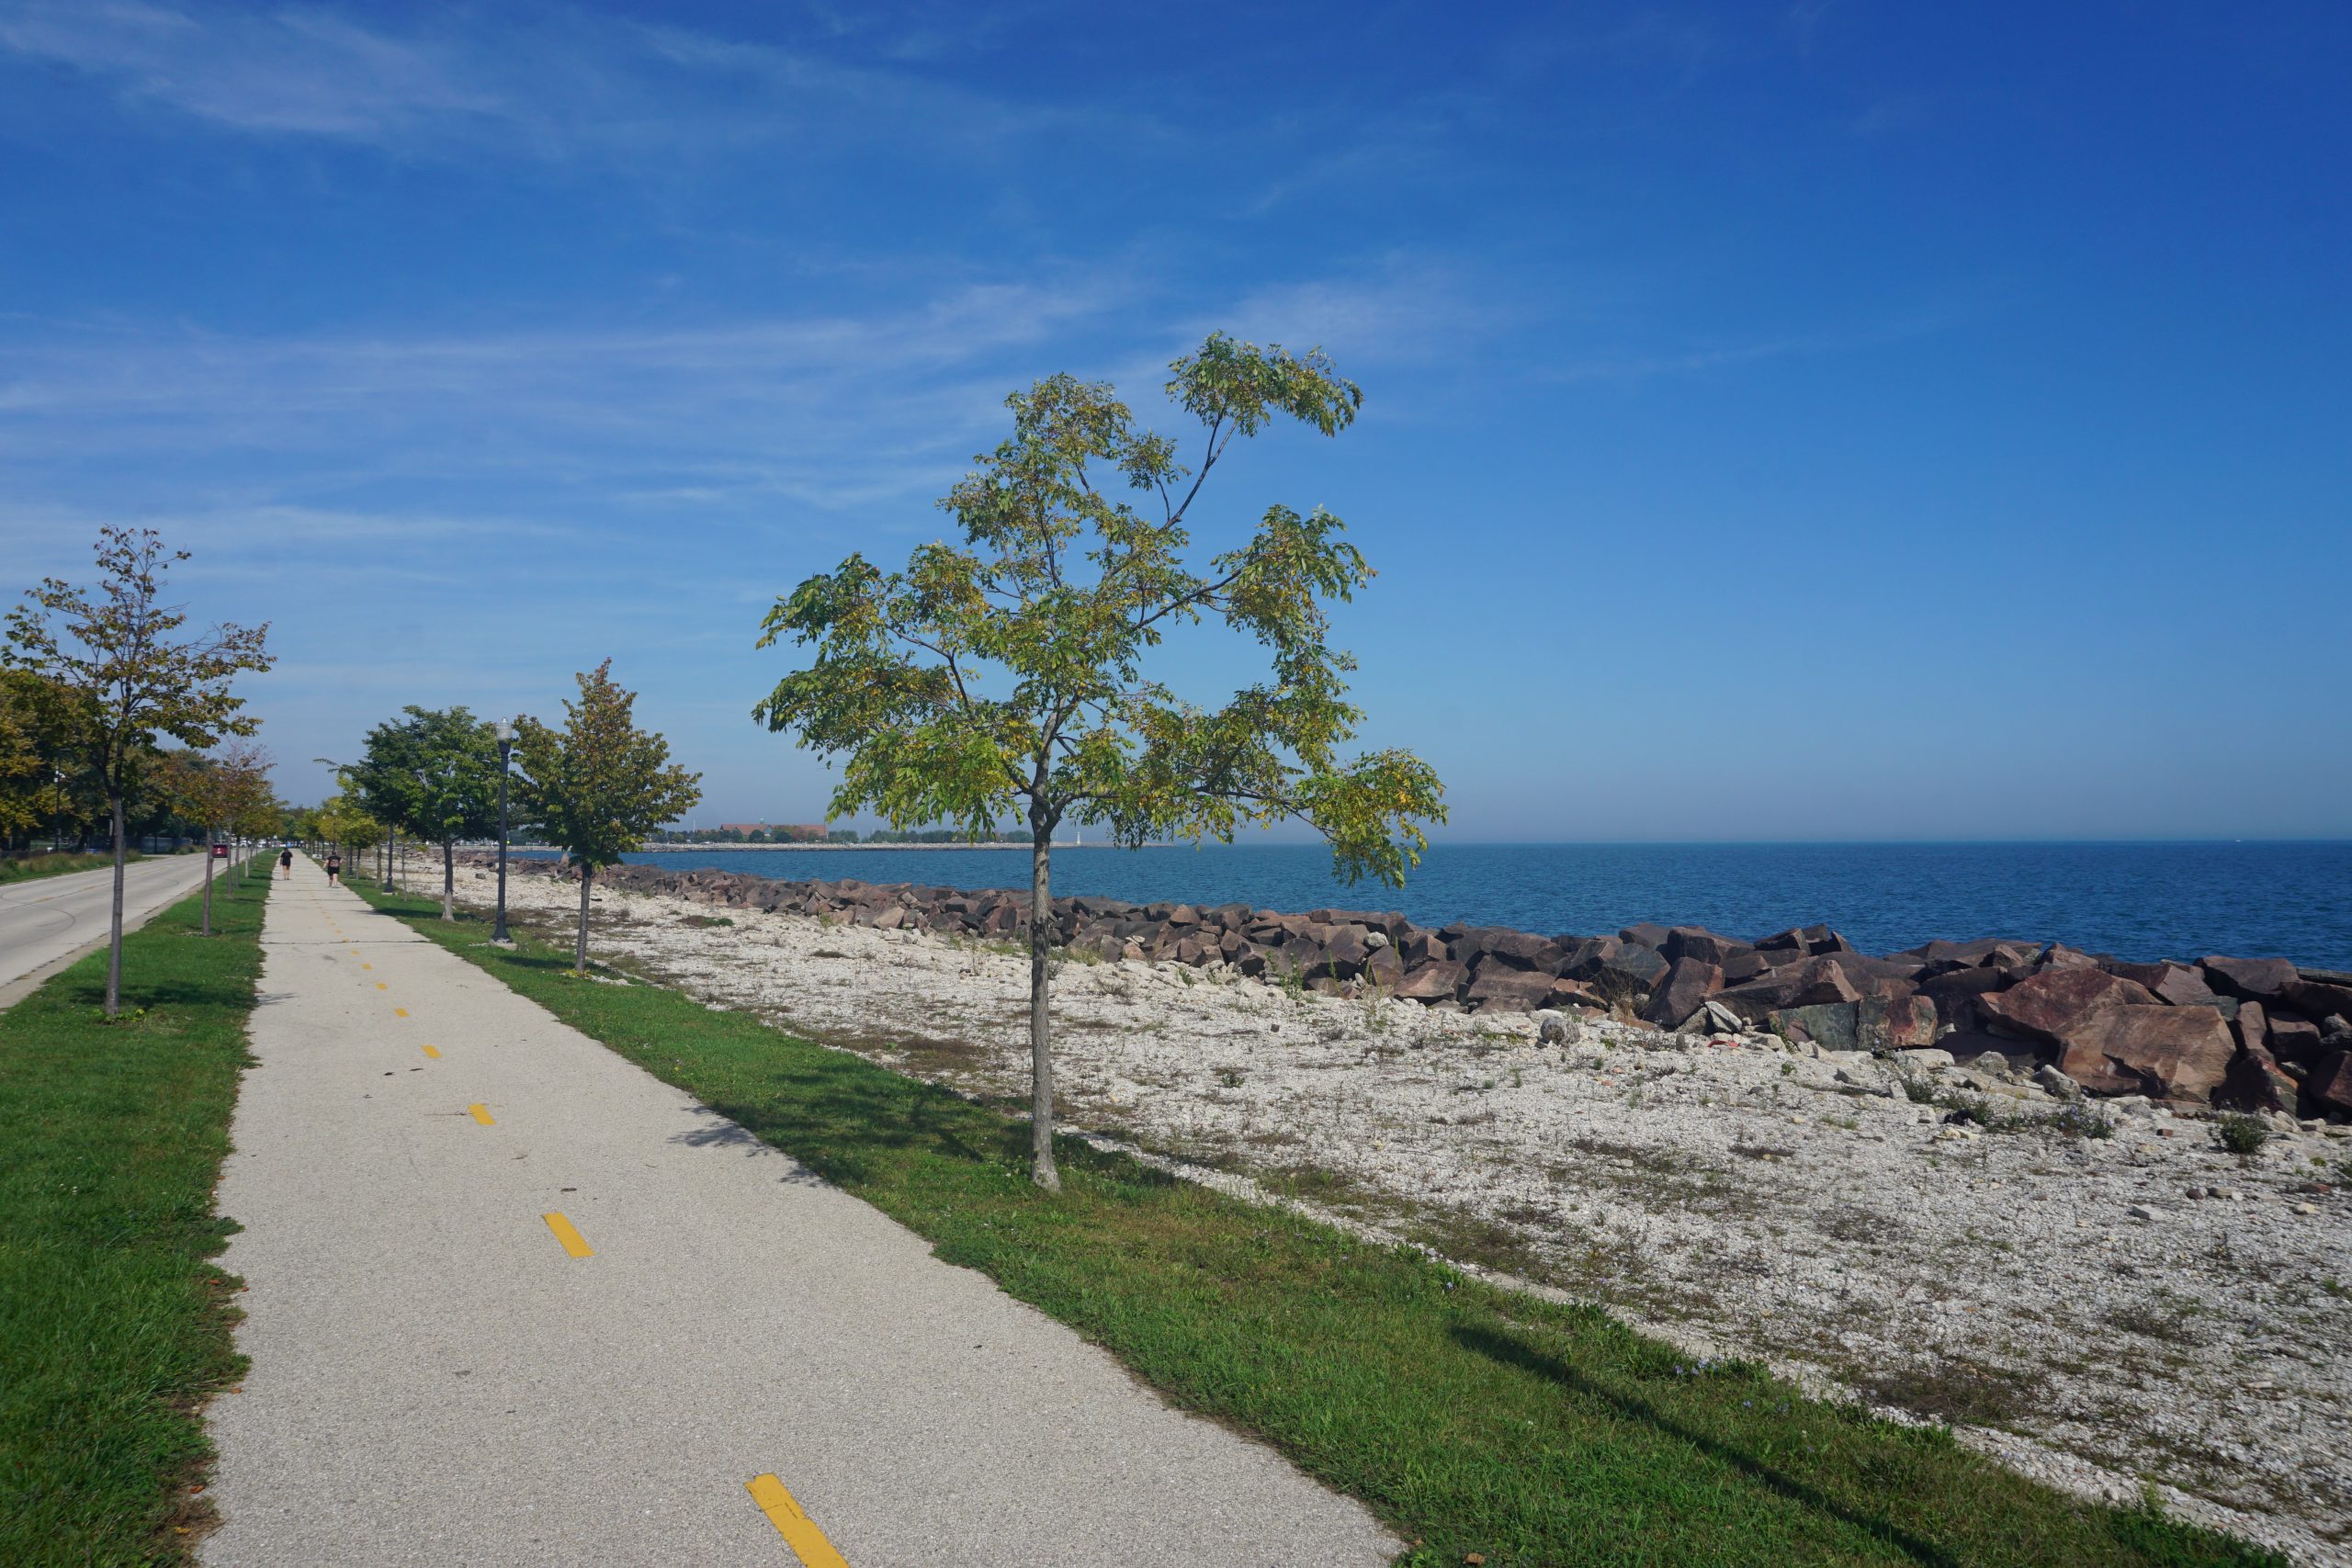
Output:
x=2256 y=1034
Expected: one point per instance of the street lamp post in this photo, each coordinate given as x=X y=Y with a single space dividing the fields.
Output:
x=505 y=749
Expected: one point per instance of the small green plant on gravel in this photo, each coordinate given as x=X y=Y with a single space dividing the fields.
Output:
x=2241 y=1134
x=1229 y=1077
x=1916 y=1089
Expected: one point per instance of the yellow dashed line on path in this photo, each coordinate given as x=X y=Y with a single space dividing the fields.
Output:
x=432 y=1052
x=799 y=1531
x=565 y=1233
x=400 y=1012
x=482 y=1115
x=355 y=952
x=381 y=987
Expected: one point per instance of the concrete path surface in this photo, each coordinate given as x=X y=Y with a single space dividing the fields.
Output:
x=512 y=1300
x=48 y=922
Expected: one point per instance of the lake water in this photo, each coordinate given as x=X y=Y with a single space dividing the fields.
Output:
x=2141 y=901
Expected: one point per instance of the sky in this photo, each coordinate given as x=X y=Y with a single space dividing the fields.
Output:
x=1823 y=420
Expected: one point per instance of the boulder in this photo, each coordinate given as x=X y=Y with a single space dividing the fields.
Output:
x=2290 y=1038
x=2318 y=998
x=2249 y=979
x=1617 y=970
x=2255 y=1082
x=2252 y=1027
x=1648 y=934
x=1697 y=942
x=1747 y=964
x=2180 y=983
x=2329 y=1087
x=1517 y=949
x=1955 y=993
x=1812 y=983
x=2048 y=1005
x=1420 y=946
x=1689 y=982
x=1570 y=994
x=1500 y=987
x=2166 y=1053
x=1882 y=1023
x=1830 y=1025
x=1438 y=980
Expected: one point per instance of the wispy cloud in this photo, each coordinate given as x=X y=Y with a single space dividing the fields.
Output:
x=548 y=83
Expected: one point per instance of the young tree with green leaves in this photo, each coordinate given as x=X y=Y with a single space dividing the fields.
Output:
x=1006 y=673
x=597 y=786
x=208 y=791
x=32 y=739
x=118 y=653
x=434 y=773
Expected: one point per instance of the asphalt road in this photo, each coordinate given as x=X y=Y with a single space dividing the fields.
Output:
x=512 y=1300
x=49 y=920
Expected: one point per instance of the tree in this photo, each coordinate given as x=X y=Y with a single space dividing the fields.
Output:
x=1006 y=673
x=600 y=784
x=434 y=774
x=33 y=734
x=210 y=791
x=117 y=651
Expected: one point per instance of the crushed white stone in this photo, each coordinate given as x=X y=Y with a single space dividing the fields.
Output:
x=2078 y=1306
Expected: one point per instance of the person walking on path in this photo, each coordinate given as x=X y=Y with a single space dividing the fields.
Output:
x=285 y=864
x=335 y=868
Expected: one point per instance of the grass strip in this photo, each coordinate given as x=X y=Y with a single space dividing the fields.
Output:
x=1472 y=1419
x=114 y=1327
x=32 y=868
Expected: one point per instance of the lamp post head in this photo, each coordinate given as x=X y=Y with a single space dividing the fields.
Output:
x=505 y=729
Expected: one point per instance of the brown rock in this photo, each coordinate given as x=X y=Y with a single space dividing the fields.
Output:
x=2290 y=1039
x=1745 y=966
x=1831 y=1025
x=1895 y=1024
x=2048 y=1005
x=1439 y=980
x=2253 y=1029
x=2252 y=979
x=1648 y=934
x=1498 y=987
x=2255 y=1082
x=2318 y=998
x=1569 y=993
x=1812 y=983
x=1697 y=942
x=1687 y=986
x=2167 y=1053
x=1955 y=992
x=2329 y=1087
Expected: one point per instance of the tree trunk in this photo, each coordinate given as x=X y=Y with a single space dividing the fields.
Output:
x=579 y=943
x=449 y=879
x=391 y=859
x=207 y=884
x=1042 y=1169
x=114 y=926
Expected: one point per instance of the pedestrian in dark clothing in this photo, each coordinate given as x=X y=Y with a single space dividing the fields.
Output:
x=335 y=868
x=285 y=864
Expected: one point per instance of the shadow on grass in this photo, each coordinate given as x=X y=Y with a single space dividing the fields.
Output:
x=1516 y=1353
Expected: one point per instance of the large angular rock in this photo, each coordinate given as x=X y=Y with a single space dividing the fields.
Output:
x=1617 y=970
x=2318 y=998
x=1688 y=984
x=1882 y=1023
x=1420 y=945
x=2046 y=1005
x=1811 y=983
x=1830 y=1025
x=2255 y=1082
x=1698 y=943
x=2329 y=1088
x=1439 y=980
x=2290 y=1039
x=1648 y=934
x=1498 y=987
x=2166 y=1053
x=1747 y=964
x=1517 y=949
x=2249 y=979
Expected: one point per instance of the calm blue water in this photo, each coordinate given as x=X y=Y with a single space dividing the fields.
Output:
x=2141 y=901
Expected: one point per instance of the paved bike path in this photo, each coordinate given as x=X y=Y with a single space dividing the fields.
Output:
x=438 y=1379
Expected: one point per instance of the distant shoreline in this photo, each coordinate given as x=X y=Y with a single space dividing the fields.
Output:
x=770 y=849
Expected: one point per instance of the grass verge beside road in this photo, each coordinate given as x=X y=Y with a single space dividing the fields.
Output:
x=32 y=868
x=114 y=1327
x=1472 y=1419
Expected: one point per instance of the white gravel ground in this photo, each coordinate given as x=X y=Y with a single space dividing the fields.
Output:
x=2067 y=1300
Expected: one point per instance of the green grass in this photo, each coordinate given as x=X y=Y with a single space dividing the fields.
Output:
x=34 y=868
x=114 y=1327
x=1471 y=1418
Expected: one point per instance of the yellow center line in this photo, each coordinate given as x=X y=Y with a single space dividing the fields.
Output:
x=565 y=1233
x=432 y=1052
x=400 y=1012
x=482 y=1115
x=364 y=965
x=799 y=1531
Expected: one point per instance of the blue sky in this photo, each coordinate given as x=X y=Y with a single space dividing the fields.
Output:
x=1830 y=419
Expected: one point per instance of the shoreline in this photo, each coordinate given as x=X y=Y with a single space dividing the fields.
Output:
x=2089 y=1309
